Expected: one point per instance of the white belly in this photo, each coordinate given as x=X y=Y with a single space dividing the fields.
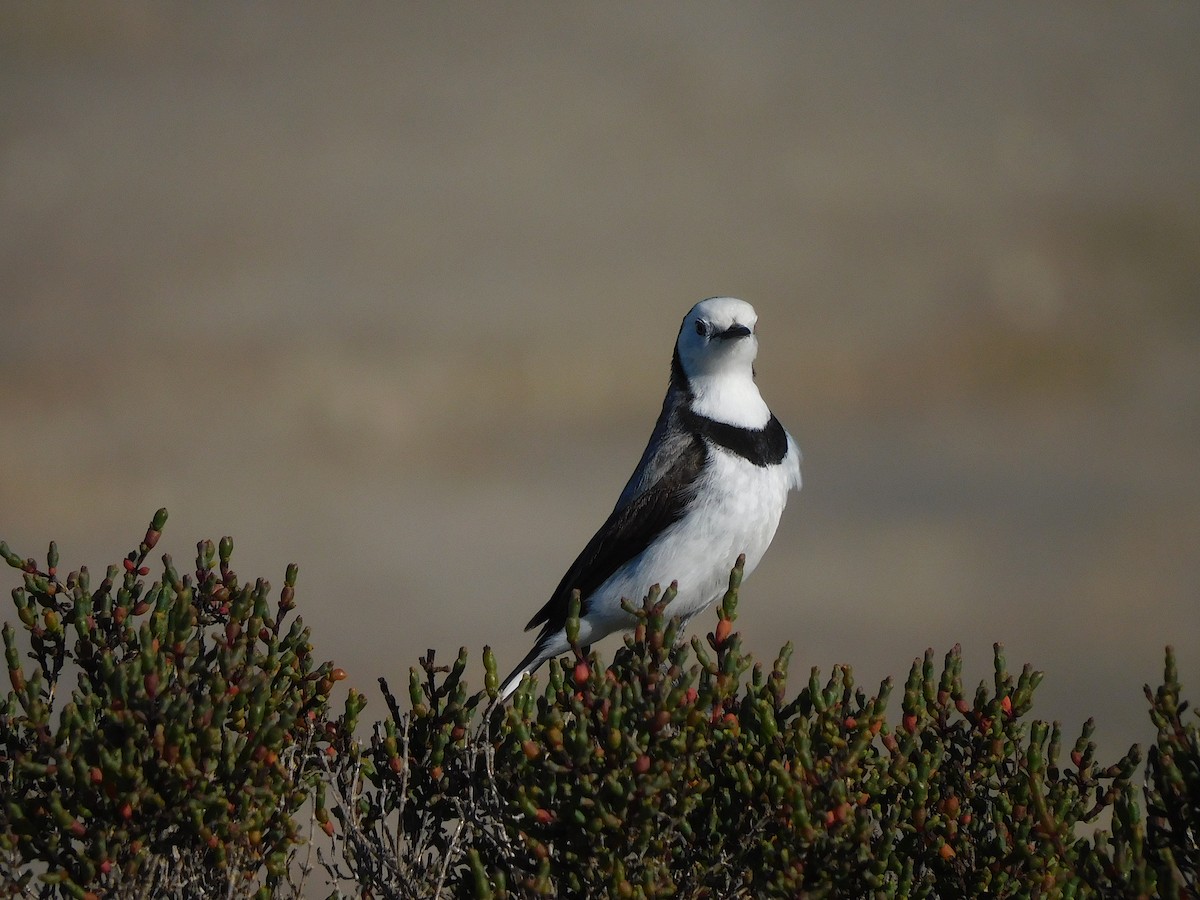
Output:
x=737 y=510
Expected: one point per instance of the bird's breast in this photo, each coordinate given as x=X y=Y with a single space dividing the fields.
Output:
x=735 y=509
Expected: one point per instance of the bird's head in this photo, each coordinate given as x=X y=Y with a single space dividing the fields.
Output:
x=717 y=338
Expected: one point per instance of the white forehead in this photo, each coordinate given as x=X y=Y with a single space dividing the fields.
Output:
x=723 y=312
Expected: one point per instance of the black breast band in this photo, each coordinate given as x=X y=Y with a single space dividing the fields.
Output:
x=766 y=446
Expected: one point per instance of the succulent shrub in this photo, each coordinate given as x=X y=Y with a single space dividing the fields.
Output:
x=1173 y=788
x=173 y=739
x=158 y=738
x=685 y=769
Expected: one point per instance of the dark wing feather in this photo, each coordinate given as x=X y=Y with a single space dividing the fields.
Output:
x=626 y=533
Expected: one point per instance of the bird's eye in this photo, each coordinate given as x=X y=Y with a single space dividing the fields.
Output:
x=701 y=328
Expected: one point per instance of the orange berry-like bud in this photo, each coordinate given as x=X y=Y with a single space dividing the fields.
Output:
x=582 y=671
x=642 y=764
x=338 y=674
x=327 y=827
x=724 y=627
x=544 y=816
x=1006 y=705
x=910 y=723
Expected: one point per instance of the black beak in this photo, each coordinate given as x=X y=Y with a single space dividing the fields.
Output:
x=733 y=331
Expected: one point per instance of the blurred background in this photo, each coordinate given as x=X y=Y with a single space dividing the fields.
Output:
x=391 y=292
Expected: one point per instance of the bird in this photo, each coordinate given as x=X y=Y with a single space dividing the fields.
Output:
x=711 y=485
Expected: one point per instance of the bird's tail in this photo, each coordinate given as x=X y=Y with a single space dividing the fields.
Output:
x=532 y=660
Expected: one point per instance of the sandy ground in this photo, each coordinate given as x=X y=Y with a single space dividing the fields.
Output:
x=392 y=295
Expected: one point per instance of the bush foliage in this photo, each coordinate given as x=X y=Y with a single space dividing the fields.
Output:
x=176 y=739
x=184 y=749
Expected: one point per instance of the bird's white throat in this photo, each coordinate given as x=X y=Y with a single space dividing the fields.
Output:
x=731 y=397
